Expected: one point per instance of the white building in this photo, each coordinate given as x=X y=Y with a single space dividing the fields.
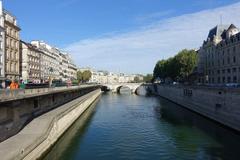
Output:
x=55 y=64
x=63 y=67
x=72 y=68
x=2 y=47
x=30 y=63
x=105 y=77
x=49 y=61
x=68 y=70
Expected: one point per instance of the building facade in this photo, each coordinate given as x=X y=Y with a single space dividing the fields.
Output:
x=105 y=77
x=54 y=63
x=30 y=66
x=49 y=61
x=12 y=56
x=219 y=56
x=2 y=44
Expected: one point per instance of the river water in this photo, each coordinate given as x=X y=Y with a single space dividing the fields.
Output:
x=123 y=126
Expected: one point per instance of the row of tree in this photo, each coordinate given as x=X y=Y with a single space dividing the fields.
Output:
x=177 y=68
x=147 y=78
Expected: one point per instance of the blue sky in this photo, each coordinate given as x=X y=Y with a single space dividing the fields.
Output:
x=121 y=35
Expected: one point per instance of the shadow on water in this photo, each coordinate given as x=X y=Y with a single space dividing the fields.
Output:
x=228 y=141
x=65 y=148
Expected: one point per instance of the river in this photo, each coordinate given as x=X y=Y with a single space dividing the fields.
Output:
x=123 y=126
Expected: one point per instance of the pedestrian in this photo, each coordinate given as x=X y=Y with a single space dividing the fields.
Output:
x=16 y=85
x=12 y=85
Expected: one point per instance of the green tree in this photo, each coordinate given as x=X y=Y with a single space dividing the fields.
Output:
x=137 y=80
x=178 y=67
x=79 y=76
x=187 y=61
x=86 y=76
x=148 y=78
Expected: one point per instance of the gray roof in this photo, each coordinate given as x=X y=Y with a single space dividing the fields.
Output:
x=217 y=31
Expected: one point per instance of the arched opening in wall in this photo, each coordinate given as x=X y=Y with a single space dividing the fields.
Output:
x=141 y=90
x=124 y=90
x=105 y=88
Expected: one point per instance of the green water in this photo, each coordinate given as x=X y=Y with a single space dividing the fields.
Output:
x=120 y=127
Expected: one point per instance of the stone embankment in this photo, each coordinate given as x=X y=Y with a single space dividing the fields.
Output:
x=37 y=137
x=218 y=104
x=19 y=107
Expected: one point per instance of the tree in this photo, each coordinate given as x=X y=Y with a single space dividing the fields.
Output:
x=86 y=75
x=148 y=78
x=187 y=61
x=136 y=79
x=79 y=76
x=178 y=67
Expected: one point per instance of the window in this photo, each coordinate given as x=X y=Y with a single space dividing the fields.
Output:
x=234 y=70
x=1 y=60
x=228 y=60
x=0 y=71
x=228 y=70
x=223 y=62
x=235 y=79
x=229 y=80
x=223 y=71
x=234 y=59
x=219 y=80
x=218 y=71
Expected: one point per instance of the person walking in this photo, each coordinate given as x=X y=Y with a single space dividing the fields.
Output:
x=12 y=85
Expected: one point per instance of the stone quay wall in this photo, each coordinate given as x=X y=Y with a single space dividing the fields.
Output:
x=23 y=106
x=219 y=104
x=37 y=137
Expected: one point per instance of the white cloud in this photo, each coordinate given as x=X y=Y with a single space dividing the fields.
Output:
x=138 y=51
x=154 y=16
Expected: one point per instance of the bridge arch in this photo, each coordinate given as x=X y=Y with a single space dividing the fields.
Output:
x=116 y=87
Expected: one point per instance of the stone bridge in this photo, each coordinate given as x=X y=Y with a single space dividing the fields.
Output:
x=117 y=86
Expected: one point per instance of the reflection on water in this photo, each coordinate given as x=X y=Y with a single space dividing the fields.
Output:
x=64 y=148
x=124 y=90
x=132 y=127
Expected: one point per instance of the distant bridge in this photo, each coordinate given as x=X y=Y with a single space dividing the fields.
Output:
x=117 y=86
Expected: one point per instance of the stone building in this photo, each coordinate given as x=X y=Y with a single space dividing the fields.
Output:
x=219 y=56
x=72 y=68
x=105 y=77
x=63 y=67
x=55 y=64
x=2 y=44
x=30 y=63
x=12 y=70
x=49 y=61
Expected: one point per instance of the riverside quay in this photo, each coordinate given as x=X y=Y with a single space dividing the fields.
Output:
x=122 y=80
x=83 y=122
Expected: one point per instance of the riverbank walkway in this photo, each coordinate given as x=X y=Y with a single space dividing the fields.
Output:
x=37 y=136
